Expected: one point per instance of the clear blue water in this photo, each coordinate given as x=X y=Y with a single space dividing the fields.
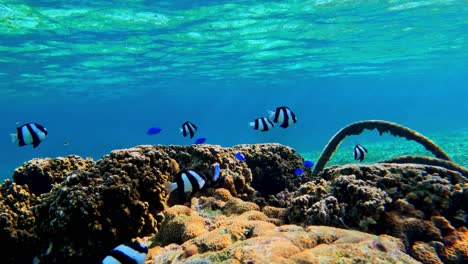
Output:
x=99 y=74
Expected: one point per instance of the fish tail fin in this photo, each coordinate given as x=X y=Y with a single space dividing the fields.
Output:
x=271 y=114
x=251 y=124
x=13 y=138
x=217 y=171
x=171 y=186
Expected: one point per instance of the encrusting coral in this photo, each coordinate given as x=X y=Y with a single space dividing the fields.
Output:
x=41 y=174
x=383 y=127
x=17 y=222
x=74 y=210
x=401 y=200
x=86 y=208
x=253 y=237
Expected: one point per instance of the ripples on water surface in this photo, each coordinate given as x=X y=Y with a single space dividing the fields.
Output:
x=99 y=73
x=47 y=45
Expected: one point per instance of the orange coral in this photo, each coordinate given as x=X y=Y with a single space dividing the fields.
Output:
x=174 y=165
x=457 y=250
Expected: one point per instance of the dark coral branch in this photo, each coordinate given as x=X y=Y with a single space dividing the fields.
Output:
x=428 y=161
x=383 y=127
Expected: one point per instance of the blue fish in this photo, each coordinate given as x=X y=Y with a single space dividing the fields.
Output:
x=308 y=164
x=154 y=131
x=217 y=171
x=200 y=140
x=239 y=156
x=298 y=171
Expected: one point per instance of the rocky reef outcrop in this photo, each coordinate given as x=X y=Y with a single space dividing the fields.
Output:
x=17 y=222
x=71 y=209
x=75 y=210
x=420 y=204
x=201 y=236
x=41 y=174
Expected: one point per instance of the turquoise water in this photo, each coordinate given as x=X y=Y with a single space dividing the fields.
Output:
x=98 y=74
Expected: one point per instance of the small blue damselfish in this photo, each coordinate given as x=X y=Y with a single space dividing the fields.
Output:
x=239 y=156
x=154 y=131
x=298 y=171
x=217 y=171
x=308 y=164
x=200 y=140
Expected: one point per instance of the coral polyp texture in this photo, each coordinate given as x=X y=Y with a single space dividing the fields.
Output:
x=75 y=210
x=253 y=237
x=69 y=210
x=41 y=174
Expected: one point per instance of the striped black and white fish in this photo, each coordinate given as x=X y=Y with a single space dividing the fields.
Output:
x=128 y=253
x=188 y=128
x=359 y=152
x=263 y=124
x=284 y=116
x=186 y=181
x=29 y=134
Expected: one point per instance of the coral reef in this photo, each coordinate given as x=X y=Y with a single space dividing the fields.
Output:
x=251 y=237
x=86 y=208
x=40 y=174
x=429 y=161
x=383 y=127
x=17 y=221
x=272 y=167
x=402 y=200
x=180 y=224
x=77 y=210
x=92 y=211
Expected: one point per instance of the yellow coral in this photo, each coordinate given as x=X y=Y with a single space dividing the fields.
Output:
x=181 y=224
x=237 y=206
x=174 y=165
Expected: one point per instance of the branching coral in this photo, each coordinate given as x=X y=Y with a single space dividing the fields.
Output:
x=383 y=127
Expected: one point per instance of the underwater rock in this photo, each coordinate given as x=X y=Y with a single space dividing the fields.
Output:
x=40 y=174
x=180 y=224
x=93 y=211
x=452 y=249
x=416 y=203
x=305 y=203
x=221 y=203
x=272 y=167
x=17 y=222
x=94 y=206
x=252 y=238
x=365 y=203
x=87 y=208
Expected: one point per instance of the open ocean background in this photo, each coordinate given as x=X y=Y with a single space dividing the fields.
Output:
x=98 y=74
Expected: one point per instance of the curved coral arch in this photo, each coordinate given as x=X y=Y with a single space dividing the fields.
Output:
x=383 y=127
